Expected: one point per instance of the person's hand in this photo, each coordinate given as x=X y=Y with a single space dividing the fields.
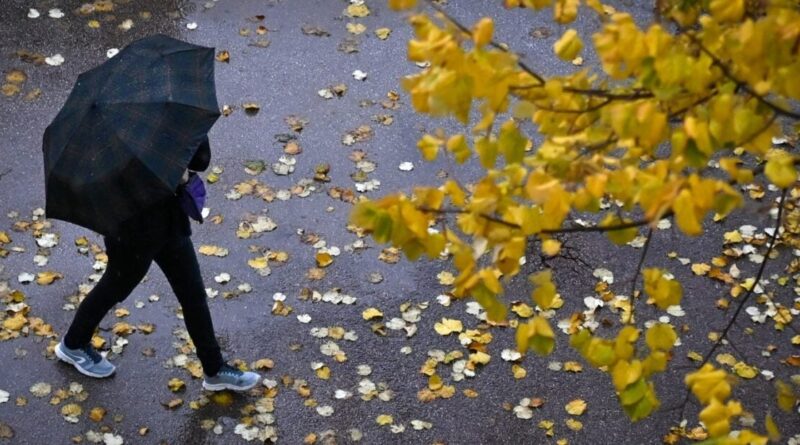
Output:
x=185 y=177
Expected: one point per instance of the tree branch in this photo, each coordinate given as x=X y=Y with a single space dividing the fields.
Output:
x=726 y=71
x=573 y=229
x=635 y=94
x=746 y=297
x=639 y=270
x=758 y=278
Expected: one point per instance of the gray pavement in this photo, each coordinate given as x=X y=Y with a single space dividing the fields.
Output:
x=284 y=79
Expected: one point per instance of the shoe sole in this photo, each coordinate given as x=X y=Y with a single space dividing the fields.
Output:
x=223 y=386
x=67 y=359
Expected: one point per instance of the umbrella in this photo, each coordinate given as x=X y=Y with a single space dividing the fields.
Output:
x=127 y=131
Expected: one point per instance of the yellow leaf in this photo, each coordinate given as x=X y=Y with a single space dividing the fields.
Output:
x=685 y=215
x=569 y=45
x=482 y=32
x=700 y=268
x=522 y=309
x=47 y=278
x=661 y=337
x=176 y=384
x=96 y=414
x=564 y=11
x=71 y=410
x=122 y=329
x=665 y=292
x=709 y=383
x=401 y=5
x=258 y=263
x=210 y=250
x=780 y=168
x=518 y=371
x=545 y=292
x=745 y=371
x=448 y=326
x=727 y=10
x=384 y=419
x=355 y=28
x=324 y=373
x=16 y=322
x=574 y=424
x=551 y=247
x=620 y=236
x=446 y=278
x=324 y=259
x=354 y=10
x=4 y=239
x=726 y=359
x=435 y=382
x=787 y=397
x=571 y=366
x=457 y=144
x=371 y=313
x=576 y=407
x=480 y=358
x=383 y=33
x=772 y=428
x=537 y=335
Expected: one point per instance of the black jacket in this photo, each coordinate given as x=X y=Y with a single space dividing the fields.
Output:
x=164 y=219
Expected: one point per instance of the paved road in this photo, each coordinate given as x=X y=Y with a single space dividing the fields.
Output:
x=284 y=79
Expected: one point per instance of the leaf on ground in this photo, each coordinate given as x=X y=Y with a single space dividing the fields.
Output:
x=383 y=33
x=97 y=414
x=448 y=326
x=371 y=313
x=175 y=385
x=210 y=250
x=384 y=419
x=576 y=407
x=48 y=277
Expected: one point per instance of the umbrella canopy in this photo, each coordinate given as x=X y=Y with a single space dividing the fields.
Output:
x=127 y=131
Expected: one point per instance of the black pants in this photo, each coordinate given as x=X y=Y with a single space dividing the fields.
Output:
x=128 y=263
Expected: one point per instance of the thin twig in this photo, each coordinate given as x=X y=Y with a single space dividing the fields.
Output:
x=639 y=270
x=589 y=109
x=635 y=94
x=573 y=229
x=726 y=71
x=747 y=295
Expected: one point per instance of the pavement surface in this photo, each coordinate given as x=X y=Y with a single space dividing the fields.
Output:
x=282 y=70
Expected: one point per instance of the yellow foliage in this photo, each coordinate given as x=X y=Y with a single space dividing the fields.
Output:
x=674 y=127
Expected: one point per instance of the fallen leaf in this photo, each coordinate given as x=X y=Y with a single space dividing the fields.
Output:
x=176 y=385
x=447 y=326
x=47 y=278
x=371 y=313
x=383 y=33
x=576 y=407
x=97 y=413
x=384 y=419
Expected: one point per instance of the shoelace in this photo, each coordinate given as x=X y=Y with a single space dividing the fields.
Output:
x=90 y=351
x=230 y=370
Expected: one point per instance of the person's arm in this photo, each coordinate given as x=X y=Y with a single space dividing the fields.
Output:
x=202 y=158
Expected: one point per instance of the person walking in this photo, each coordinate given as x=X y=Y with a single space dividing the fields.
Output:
x=161 y=234
x=117 y=160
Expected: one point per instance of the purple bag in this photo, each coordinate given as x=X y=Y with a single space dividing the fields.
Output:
x=192 y=196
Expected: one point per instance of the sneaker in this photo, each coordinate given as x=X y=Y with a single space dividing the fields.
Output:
x=86 y=360
x=232 y=378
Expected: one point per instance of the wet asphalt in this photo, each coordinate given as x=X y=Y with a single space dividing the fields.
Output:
x=284 y=78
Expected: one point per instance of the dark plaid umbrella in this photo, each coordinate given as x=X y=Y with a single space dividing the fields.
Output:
x=127 y=131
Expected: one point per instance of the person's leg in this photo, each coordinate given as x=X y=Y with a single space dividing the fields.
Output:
x=127 y=265
x=179 y=263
